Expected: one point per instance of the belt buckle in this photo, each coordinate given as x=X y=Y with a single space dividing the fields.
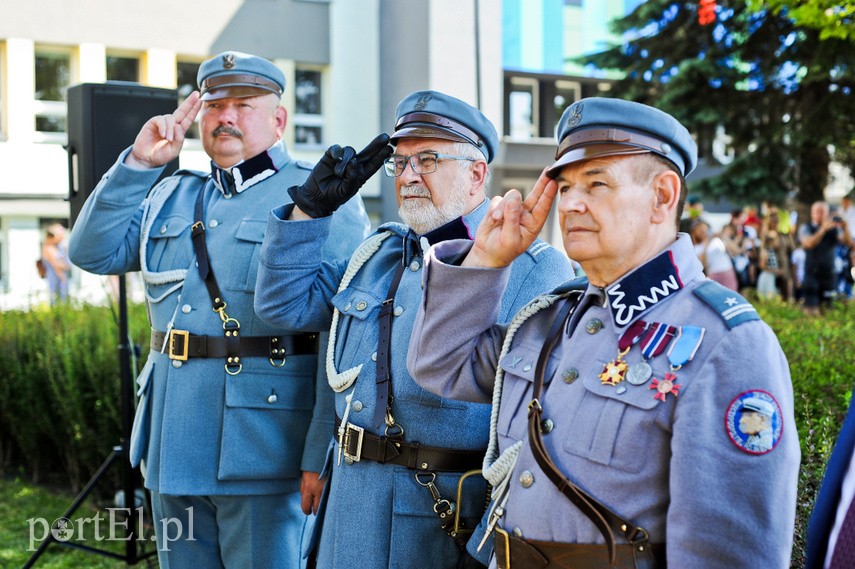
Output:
x=184 y=349
x=348 y=432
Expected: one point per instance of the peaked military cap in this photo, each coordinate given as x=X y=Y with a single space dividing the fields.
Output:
x=431 y=114
x=600 y=126
x=236 y=74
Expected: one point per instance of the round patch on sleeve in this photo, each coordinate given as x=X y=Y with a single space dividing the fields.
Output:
x=754 y=422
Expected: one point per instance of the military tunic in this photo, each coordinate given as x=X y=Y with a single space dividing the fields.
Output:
x=671 y=458
x=199 y=430
x=376 y=515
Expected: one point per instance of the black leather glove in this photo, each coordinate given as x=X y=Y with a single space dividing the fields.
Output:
x=338 y=175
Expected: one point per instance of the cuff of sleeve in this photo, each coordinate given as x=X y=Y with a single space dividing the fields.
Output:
x=307 y=235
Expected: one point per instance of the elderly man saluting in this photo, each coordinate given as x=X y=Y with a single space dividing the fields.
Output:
x=617 y=437
x=399 y=453
x=226 y=400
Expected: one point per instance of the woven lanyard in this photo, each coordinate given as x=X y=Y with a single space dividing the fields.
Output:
x=383 y=406
x=606 y=521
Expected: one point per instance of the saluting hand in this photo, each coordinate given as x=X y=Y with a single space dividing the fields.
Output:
x=162 y=137
x=338 y=175
x=511 y=225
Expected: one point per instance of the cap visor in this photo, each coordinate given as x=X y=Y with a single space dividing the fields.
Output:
x=235 y=92
x=592 y=151
x=418 y=131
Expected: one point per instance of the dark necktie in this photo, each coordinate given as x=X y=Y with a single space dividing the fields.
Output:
x=844 y=550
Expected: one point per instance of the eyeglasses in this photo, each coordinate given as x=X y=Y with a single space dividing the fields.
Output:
x=421 y=163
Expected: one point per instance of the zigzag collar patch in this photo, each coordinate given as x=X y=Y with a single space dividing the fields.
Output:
x=643 y=288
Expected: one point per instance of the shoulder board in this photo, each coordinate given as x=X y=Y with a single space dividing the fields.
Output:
x=393 y=227
x=578 y=283
x=730 y=305
x=187 y=172
x=303 y=165
x=539 y=246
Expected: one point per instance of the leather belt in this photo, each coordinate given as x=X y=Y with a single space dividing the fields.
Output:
x=183 y=345
x=516 y=553
x=359 y=444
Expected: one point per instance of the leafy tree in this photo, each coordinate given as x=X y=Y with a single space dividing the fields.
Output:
x=779 y=86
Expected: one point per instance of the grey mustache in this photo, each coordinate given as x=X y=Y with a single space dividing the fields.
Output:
x=223 y=129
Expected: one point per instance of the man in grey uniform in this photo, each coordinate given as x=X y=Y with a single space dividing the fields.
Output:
x=616 y=438
x=399 y=453
x=224 y=426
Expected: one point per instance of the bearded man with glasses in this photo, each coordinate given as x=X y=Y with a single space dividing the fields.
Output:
x=399 y=490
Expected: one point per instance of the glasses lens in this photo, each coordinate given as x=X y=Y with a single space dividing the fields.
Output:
x=424 y=163
x=394 y=166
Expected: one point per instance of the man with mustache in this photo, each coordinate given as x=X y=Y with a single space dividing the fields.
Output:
x=224 y=428
x=618 y=439
x=397 y=453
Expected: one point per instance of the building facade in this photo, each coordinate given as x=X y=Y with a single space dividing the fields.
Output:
x=347 y=64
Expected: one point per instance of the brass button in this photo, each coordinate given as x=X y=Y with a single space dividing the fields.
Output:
x=593 y=326
x=518 y=532
x=526 y=479
x=361 y=305
x=272 y=398
x=415 y=266
x=186 y=309
x=347 y=307
x=213 y=223
x=546 y=426
x=399 y=310
x=374 y=357
x=527 y=367
x=357 y=405
x=570 y=375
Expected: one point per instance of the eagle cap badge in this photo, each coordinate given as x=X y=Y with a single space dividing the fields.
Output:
x=228 y=61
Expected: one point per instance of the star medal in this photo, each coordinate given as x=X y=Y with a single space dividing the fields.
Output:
x=665 y=386
x=682 y=350
x=615 y=371
x=656 y=338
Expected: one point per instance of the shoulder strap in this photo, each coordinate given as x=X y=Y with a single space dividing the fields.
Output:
x=607 y=522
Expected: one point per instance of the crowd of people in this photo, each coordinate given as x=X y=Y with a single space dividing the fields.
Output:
x=769 y=251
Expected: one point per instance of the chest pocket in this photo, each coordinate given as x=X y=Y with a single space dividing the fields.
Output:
x=610 y=428
x=358 y=325
x=170 y=246
x=519 y=366
x=243 y=258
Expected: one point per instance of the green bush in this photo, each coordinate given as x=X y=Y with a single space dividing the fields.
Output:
x=60 y=392
x=60 y=408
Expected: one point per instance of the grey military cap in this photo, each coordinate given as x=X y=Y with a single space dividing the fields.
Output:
x=599 y=126
x=236 y=74
x=431 y=114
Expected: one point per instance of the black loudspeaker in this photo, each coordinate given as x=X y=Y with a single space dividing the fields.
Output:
x=103 y=120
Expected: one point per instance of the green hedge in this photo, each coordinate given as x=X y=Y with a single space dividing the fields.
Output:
x=60 y=409
x=59 y=389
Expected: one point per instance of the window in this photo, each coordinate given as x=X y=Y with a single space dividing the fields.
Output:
x=186 y=72
x=53 y=75
x=523 y=108
x=121 y=68
x=308 y=115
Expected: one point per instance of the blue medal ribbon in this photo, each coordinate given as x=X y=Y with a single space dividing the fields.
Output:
x=685 y=345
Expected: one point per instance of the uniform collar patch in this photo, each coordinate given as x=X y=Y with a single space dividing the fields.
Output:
x=246 y=174
x=642 y=289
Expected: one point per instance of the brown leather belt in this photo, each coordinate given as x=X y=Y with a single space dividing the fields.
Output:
x=183 y=345
x=359 y=444
x=516 y=553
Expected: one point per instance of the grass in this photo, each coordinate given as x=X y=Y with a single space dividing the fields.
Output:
x=24 y=505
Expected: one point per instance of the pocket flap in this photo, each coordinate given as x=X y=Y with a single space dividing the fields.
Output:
x=144 y=377
x=260 y=391
x=521 y=361
x=171 y=226
x=356 y=303
x=251 y=230
x=639 y=396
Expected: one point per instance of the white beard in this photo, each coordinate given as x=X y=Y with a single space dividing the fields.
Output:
x=423 y=215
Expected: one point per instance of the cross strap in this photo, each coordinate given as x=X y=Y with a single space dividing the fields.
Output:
x=606 y=521
x=383 y=406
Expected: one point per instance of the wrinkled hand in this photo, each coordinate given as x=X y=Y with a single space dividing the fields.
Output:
x=338 y=176
x=162 y=137
x=511 y=225
x=311 y=487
